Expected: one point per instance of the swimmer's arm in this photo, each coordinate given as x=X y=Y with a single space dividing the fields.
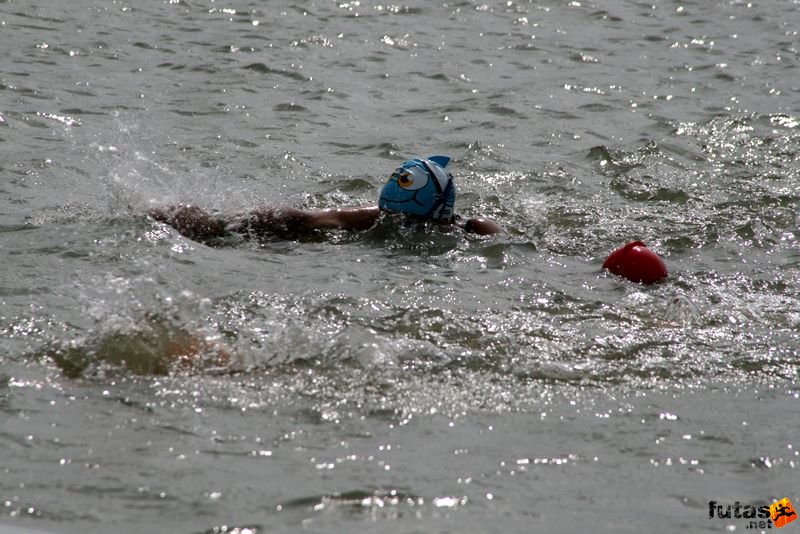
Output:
x=191 y=221
x=481 y=226
x=200 y=225
x=286 y=221
x=360 y=218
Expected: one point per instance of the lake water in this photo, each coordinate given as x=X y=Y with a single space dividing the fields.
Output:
x=399 y=380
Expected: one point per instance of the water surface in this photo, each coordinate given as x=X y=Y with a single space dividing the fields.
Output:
x=398 y=380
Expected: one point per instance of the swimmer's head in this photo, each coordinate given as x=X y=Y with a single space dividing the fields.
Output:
x=421 y=187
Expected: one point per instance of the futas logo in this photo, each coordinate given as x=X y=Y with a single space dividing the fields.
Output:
x=782 y=513
x=778 y=514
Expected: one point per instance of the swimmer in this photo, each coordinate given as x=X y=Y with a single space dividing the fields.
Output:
x=154 y=346
x=419 y=189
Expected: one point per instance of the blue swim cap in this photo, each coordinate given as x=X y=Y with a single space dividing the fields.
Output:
x=421 y=187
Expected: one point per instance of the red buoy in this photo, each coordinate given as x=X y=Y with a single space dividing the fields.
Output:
x=637 y=263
